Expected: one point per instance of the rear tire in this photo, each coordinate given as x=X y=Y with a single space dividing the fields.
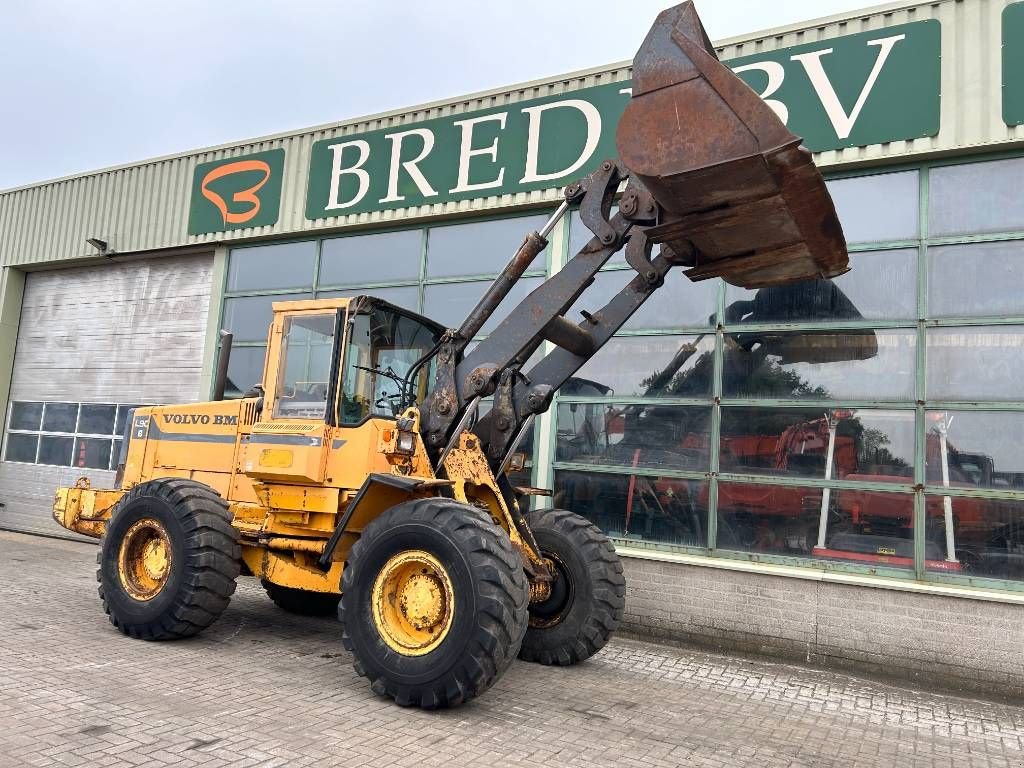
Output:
x=587 y=597
x=434 y=603
x=168 y=560
x=301 y=602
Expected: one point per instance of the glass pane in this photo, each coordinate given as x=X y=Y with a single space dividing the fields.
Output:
x=977 y=363
x=481 y=247
x=96 y=419
x=976 y=197
x=656 y=366
x=658 y=509
x=975 y=449
x=677 y=303
x=249 y=318
x=92 y=452
x=854 y=365
x=56 y=450
x=877 y=208
x=865 y=444
x=988 y=536
x=881 y=285
x=60 y=417
x=579 y=236
x=382 y=348
x=407 y=297
x=306 y=350
x=976 y=279
x=864 y=527
x=124 y=410
x=450 y=303
x=245 y=370
x=21 y=448
x=26 y=415
x=377 y=258
x=115 y=454
x=272 y=267
x=658 y=436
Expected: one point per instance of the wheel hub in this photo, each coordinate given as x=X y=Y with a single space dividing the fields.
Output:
x=144 y=559
x=413 y=603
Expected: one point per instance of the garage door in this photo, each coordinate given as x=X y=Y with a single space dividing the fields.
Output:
x=94 y=342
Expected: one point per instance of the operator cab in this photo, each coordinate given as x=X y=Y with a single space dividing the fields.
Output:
x=345 y=360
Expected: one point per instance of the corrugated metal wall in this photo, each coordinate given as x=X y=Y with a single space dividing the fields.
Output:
x=145 y=206
x=122 y=333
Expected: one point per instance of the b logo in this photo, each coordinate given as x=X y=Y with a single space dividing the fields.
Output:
x=237 y=192
x=245 y=196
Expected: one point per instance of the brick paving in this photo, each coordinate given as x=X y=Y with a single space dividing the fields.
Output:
x=263 y=688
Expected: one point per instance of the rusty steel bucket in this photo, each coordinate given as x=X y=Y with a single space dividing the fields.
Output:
x=741 y=199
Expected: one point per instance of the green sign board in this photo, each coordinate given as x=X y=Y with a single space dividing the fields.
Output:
x=1013 y=64
x=860 y=89
x=236 y=192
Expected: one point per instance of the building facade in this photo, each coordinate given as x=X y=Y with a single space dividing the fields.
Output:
x=831 y=472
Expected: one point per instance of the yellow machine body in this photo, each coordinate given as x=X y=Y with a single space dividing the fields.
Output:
x=287 y=481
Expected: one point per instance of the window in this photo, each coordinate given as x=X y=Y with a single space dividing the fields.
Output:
x=306 y=353
x=84 y=435
x=440 y=271
x=811 y=425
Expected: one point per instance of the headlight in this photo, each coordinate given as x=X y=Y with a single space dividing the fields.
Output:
x=406 y=442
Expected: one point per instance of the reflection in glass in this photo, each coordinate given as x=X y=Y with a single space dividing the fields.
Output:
x=655 y=366
x=650 y=435
x=680 y=302
x=976 y=197
x=862 y=444
x=306 y=350
x=880 y=285
x=451 y=303
x=404 y=296
x=987 y=536
x=92 y=453
x=96 y=419
x=272 y=267
x=245 y=370
x=579 y=236
x=975 y=363
x=865 y=527
x=876 y=208
x=55 y=450
x=377 y=258
x=480 y=247
x=658 y=509
x=820 y=364
x=249 y=318
x=976 y=280
x=974 y=449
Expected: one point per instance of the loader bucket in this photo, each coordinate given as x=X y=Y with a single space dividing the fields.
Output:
x=741 y=199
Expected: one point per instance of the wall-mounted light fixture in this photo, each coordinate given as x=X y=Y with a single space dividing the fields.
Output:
x=100 y=245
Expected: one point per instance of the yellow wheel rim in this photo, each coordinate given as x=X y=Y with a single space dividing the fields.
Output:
x=413 y=603
x=144 y=560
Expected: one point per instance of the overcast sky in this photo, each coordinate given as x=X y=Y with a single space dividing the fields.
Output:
x=84 y=85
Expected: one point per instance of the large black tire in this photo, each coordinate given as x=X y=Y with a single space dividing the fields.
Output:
x=302 y=601
x=587 y=597
x=204 y=560
x=490 y=598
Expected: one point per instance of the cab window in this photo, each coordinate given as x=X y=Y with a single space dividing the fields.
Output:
x=304 y=376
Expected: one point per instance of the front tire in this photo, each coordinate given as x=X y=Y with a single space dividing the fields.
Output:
x=587 y=597
x=168 y=560
x=301 y=602
x=434 y=603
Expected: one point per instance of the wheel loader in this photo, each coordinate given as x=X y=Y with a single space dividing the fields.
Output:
x=360 y=475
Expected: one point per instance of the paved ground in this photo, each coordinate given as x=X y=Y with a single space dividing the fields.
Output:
x=262 y=688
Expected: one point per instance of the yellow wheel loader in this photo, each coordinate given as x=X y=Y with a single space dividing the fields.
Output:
x=360 y=473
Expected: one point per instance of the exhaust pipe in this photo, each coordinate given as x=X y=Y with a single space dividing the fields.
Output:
x=223 y=358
